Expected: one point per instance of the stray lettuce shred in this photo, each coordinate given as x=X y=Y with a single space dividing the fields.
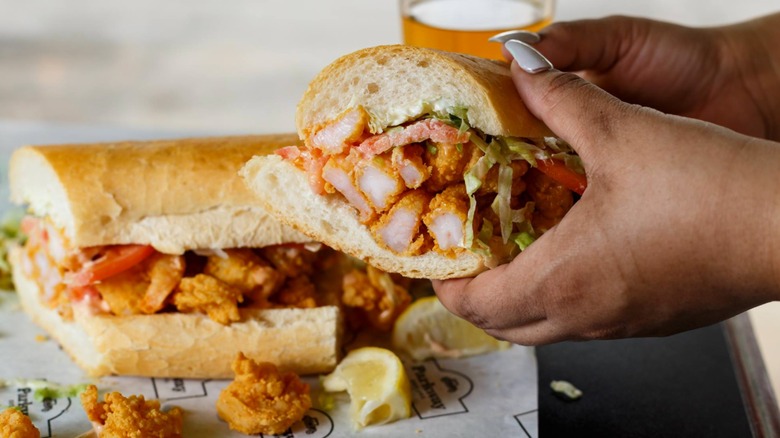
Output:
x=43 y=389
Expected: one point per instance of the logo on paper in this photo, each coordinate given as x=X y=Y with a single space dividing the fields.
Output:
x=437 y=391
x=315 y=424
x=43 y=411
x=177 y=389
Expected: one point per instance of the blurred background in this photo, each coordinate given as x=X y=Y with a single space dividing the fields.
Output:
x=216 y=66
x=211 y=67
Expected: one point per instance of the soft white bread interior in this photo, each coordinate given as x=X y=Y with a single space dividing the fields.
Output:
x=331 y=220
x=398 y=83
x=306 y=341
x=173 y=194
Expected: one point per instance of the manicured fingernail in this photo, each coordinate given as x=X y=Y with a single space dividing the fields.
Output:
x=520 y=35
x=527 y=57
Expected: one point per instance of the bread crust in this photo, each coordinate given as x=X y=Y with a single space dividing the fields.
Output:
x=306 y=341
x=172 y=194
x=331 y=220
x=392 y=83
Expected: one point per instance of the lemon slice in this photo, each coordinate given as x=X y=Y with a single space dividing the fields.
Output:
x=427 y=329
x=377 y=385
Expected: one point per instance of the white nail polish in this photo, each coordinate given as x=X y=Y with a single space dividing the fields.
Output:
x=528 y=58
x=520 y=35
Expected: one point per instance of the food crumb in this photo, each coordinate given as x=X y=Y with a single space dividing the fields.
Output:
x=565 y=389
x=41 y=338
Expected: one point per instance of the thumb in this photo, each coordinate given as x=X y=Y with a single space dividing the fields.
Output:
x=577 y=111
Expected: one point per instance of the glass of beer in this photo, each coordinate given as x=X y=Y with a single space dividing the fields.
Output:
x=464 y=26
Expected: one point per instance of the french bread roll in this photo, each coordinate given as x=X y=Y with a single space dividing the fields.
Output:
x=393 y=85
x=122 y=193
x=399 y=83
x=175 y=195
x=306 y=341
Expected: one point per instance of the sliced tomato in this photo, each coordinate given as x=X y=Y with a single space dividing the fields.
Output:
x=557 y=170
x=114 y=260
x=29 y=224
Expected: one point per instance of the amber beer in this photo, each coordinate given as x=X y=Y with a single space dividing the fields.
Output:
x=465 y=25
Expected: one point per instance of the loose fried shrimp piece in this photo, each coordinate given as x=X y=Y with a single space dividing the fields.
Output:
x=125 y=417
x=14 y=424
x=399 y=228
x=206 y=294
x=297 y=292
x=290 y=260
x=376 y=294
x=245 y=271
x=165 y=272
x=261 y=399
x=407 y=161
x=551 y=200
x=446 y=219
x=448 y=161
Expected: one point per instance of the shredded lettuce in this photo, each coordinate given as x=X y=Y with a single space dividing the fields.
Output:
x=44 y=389
x=515 y=225
x=502 y=200
x=524 y=150
x=573 y=162
x=523 y=240
x=432 y=149
x=458 y=117
x=469 y=238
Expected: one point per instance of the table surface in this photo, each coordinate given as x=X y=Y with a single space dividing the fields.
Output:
x=690 y=384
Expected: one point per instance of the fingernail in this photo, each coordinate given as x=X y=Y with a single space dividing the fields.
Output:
x=520 y=35
x=528 y=58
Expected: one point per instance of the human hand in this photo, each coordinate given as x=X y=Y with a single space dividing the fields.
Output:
x=679 y=227
x=726 y=75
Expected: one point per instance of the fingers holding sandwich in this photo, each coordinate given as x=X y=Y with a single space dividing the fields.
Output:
x=642 y=253
x=576 y=110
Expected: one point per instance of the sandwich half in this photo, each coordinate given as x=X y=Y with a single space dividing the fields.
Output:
x=153 y=259
x=420 y=162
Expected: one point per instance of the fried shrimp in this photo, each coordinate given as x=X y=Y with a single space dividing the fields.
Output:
x=14 y=424
x=124 y=417
x=262 y=399
x=552 y=200
x=446 y=220
x=377 y=295
x=245 y=271
x=399 y=229
x=206 y=294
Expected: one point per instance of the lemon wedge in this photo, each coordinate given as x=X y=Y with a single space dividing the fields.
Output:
x=377 y=385
x=427 y=329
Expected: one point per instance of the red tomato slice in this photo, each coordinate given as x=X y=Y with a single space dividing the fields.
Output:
x=115 y=259
x=29 y=224
x=557 y=170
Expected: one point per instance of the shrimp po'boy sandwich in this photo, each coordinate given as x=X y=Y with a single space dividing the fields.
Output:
x=420 y=162
x=152 y=259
